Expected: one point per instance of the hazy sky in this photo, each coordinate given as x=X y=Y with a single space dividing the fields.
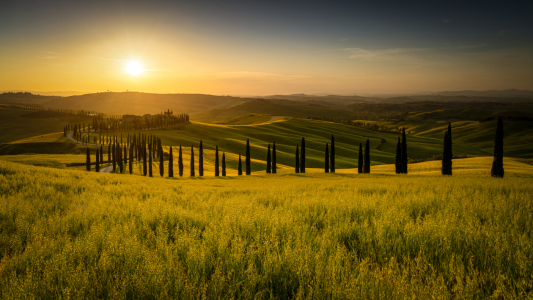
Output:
x=266 y=47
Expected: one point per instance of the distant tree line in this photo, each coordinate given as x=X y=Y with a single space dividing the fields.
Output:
x=103 y=124
x=367 y=125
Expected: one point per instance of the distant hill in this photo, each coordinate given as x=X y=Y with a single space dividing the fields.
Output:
x=24 y=99
x=275 y=107
x=325 y=98
x=144 y=103
x=53 y=93
x=211 y=108
x=489 y=93
x=125 y=102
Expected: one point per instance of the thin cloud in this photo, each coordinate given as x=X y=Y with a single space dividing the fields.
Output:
x=384 y=54
x=405 y=54
x=18 y=60
x=460 y=56
x=158 y=70
x=48 y=52
x=464 y=47
x=246 y=75
x=39 y=62
x=259 y=75
x=111 y=59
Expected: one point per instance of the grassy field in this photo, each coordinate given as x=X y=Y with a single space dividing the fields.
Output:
x=53 y=143
x=58 y=161
x=470 y=138
x=250 y=119
x=288 y=133
x=67 y=233
x=15 y=126
x=518 y=135
x=73 y=234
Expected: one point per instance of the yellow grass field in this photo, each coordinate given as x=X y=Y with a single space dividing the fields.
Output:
x=68 y=234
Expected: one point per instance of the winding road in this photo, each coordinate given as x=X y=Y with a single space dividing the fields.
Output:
x=107 y=169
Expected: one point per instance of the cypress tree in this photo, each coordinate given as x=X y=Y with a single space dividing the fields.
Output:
x=120 y=161
x=88 y=160
x=114 y=156
x=239 y=169
x=360 y=159
x=201 y=160
x=447 y=152
x=170 y=164
x=130 y=165
x=125 y=155
x=150 y=166
x=326 y=160
x=302 y=156
x=274 y=165
x=97 y=164
x=398 y=162
x=145 y=166
x=216 y=162
x=497 y=164
x=161 y=163
x=248 y=166
x=223 y=164
x=269 y=162
x=444 y=168
x=450 y=153
x=297 y=167
x=404 y=152
x=109 y=153
x=366 y=165
x=192 y=162
x=332 y=164
x=180 y=162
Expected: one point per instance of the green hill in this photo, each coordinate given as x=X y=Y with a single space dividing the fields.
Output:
x=16 y=125
x=289 y=132
x=518 y=141
x=273 y=107
x=143 y=103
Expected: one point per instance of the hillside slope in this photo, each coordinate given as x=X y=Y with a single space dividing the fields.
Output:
x=275 y=107
x=287 y=133
x=16 y=125
x=518 y=136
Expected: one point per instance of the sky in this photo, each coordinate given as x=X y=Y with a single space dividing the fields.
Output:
x=266 y=47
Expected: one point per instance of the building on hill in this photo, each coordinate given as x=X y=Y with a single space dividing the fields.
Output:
x=131 y=118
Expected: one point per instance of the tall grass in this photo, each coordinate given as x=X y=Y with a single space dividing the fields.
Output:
x=72 y=234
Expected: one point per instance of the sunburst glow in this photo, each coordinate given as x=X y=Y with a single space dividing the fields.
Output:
x=134 y=68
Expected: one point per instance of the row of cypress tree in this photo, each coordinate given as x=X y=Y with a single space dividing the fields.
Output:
x=118 y=123
x=143 y=144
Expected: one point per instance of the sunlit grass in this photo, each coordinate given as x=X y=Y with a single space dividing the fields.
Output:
x=74 y=234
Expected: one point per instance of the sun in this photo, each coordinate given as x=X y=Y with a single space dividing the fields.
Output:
x=134 y=68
